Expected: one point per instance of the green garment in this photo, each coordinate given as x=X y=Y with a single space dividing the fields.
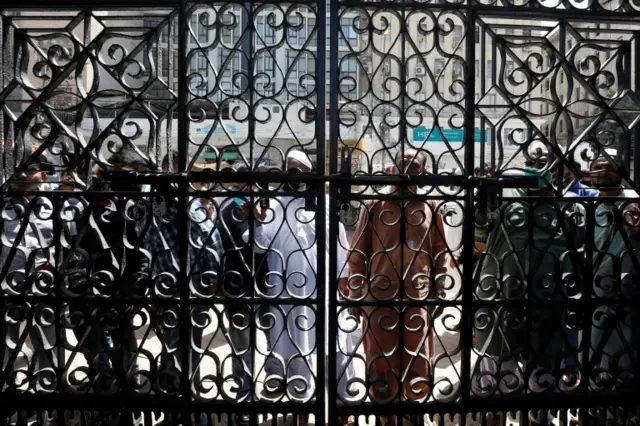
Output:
x=615 y=333
x=529 y=257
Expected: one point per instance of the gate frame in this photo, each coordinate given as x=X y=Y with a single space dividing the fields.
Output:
x=340 y=183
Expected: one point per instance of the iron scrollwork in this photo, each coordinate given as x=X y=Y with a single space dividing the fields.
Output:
x=226 y=213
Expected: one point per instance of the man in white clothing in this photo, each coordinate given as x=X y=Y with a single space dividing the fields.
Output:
x=286 y=231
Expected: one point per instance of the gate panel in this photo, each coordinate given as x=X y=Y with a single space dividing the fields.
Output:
x=486 y=91
x=112 y=102
x=135 y=290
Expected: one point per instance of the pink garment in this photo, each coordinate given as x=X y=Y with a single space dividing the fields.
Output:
x=385 y=266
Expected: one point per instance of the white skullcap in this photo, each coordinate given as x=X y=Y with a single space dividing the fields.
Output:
x=611 y=152
x=300 y=157
x=535 y=146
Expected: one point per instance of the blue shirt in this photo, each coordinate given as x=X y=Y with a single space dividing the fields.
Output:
x=582 y=190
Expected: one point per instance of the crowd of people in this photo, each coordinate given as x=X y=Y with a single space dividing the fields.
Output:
x=109 y=260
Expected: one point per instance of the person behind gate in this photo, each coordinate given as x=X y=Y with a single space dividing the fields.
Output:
x=523 y=265
x=615 y=332
x=204 y=252
x=286 y=232
x=27 y=260
x=390 y=266
x=238 y=282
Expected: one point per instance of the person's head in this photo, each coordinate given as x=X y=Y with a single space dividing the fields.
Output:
x=478 y=171
x=127 y=160
x=200 y=168
x=120 y=161
x=410 y=162
x=83 y=169
x=572 y=170
x=29 y=179
x=537 y=160
x=541 y=157
x=297 y=162
x=604 y=172
x=33 y=171
x=240 y=167
x=569 y=169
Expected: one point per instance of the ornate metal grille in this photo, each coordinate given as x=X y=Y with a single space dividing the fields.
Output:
x=141 y=291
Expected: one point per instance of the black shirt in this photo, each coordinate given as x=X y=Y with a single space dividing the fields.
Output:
x=101 y=254
x=237 y=275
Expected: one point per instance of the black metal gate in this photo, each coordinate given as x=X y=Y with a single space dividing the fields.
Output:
x=143 y=141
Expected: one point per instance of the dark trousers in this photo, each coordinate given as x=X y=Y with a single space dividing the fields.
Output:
x=108 y=342
x=171 y=363
x=41 y=329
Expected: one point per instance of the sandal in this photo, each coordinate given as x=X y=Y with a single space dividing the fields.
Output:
x=418 y=420
x=497 y=419
x=351 y=421
x=303 y=420
x=534 y=417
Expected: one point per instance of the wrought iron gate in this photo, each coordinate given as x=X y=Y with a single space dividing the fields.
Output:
x=127 y=298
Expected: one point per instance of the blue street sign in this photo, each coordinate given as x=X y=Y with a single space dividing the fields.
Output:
x=451 y=135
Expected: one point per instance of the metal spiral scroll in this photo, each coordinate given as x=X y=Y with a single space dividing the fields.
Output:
x=133 y=288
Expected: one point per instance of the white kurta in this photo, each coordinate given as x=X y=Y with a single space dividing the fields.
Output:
x=345 y=353
x=290 y=240
x=453 y=217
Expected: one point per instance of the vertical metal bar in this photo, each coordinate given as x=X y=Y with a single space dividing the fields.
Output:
x=636 y=129
x=334 y=134
x=325 y=306
x=469 y=217
x=58 y=229
x=403 y=77
x=182 y=217
x=171 y=34
x=402 y=130
x=250 y=81
x=256 y=315
x=253 y=329
x=556 y=145
x=171 y=81
x=492 y=76
x=483 y=82
x=628 y=71
x=4 y=37
x=5 y=66
x=585 y=342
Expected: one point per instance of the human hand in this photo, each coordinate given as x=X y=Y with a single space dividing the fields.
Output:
x=348 y=293
x=343 y=288
x=632 y=219
x=259 y=212
x=452 y=262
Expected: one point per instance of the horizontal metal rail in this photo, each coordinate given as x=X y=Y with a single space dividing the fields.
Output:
x=338 y=179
